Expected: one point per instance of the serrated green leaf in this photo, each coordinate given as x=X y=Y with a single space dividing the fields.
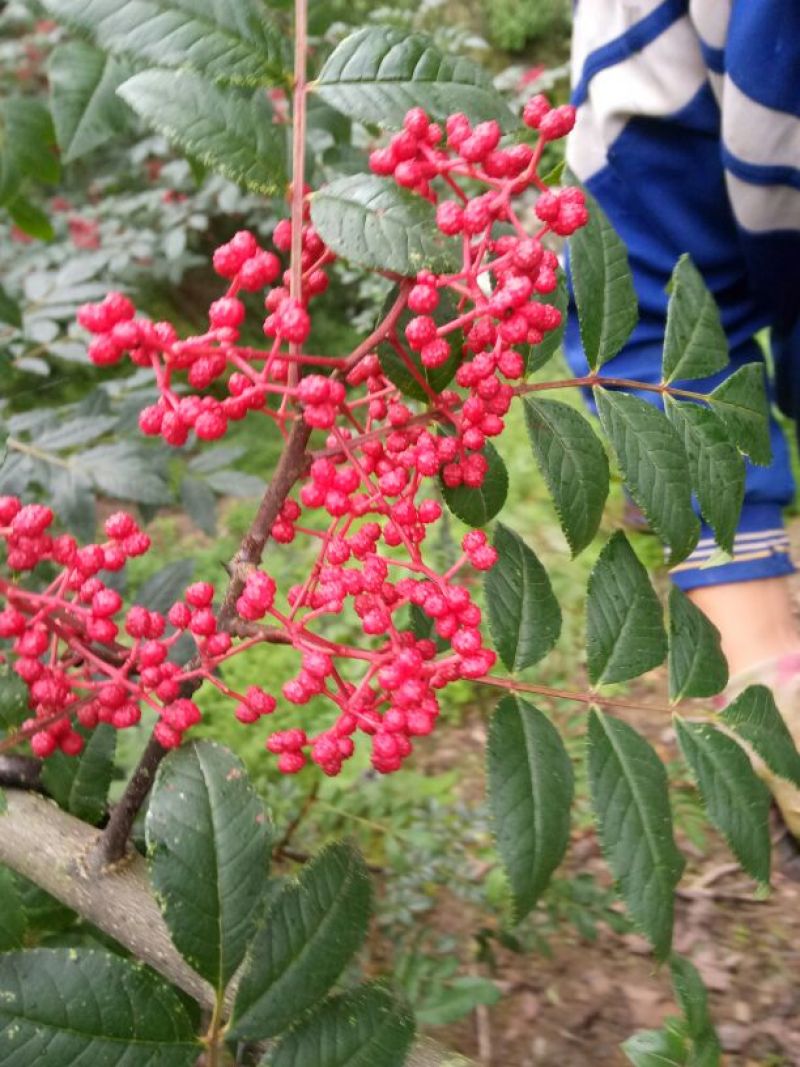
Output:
x=455 y=1000
x=697 y=667
x=371 y=221
x=44 y=914
x=630 y=796
x=27 y=145
x=695 y=345
x=204 y=816
x=79 y=784
x=235 y=483
x=656 y=1048
x=12 y=915
x=736 y=800
x=232 y=133
x=530 y=791
x=625 y=634
x=378 y=73
x=30 y=218
x=126 y=471
x=693 y=1000
x=83 y=97
x=754 y=716
x=63 y=1006
x=716 y=466
x=478 y=506
x=9 y=310
x=366 y=1027
x=226 y=42
x=654 y=465
x=73 y=500
x=200 y=504
x=524 y=616
x=13 y=700
x=603 y=286
x=166 y=586
x=311 y=931
x=539 y=355
x=573 y=462
x=396 y=365
x=741 y=403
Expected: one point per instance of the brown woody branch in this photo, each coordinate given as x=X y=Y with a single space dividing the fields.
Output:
x=46 y=845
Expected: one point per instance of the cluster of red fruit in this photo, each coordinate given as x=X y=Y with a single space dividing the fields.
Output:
x=364 y=489
x=84 y=657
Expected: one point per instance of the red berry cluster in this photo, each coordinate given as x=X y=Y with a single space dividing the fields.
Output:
x=87 y=659
x=365 y=499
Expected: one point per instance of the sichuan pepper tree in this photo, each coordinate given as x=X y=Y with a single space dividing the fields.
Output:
x=454 y=211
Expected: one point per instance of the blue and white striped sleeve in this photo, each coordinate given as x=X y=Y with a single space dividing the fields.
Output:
x=688 y=135
x=753 y=57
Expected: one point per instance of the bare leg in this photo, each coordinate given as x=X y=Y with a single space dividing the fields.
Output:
x=761 y=640
x=756 y=620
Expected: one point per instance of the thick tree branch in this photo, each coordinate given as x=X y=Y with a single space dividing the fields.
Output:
x=46 y=845
x=21 y=772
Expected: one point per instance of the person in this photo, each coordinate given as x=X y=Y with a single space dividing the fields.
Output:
x=688 y=135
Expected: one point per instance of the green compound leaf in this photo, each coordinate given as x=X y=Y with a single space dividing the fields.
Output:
x=716 y=466
x=310 y=933
x=83 y=97
x=67 y=1006
x=367 y=1027
x=695 y=345
x=223 y=41
x=230 y=132
x=371 y=221
x=624 y=622
x=478 y=506
x=396 y=368
x=530 y=790
x=573 y=462
x=603 y=287
x=377 y=74
x=630 y=797
x=539 y=355
x=741 y=403
x=654 y=465
x=13 y=923
x=697 y=667
x=755 y=718
x=524 y=616
x=207 y=840
x=79 y=784
x=736 y=800
x=693 y=1000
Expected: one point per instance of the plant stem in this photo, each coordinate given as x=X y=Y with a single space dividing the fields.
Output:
x=591 y=380
x=298 y=163
x=21 y=772
x=567 y=694
x=113 y=842
x=213 y=1039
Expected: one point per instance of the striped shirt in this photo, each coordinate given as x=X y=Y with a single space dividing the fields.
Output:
x=688 y=135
